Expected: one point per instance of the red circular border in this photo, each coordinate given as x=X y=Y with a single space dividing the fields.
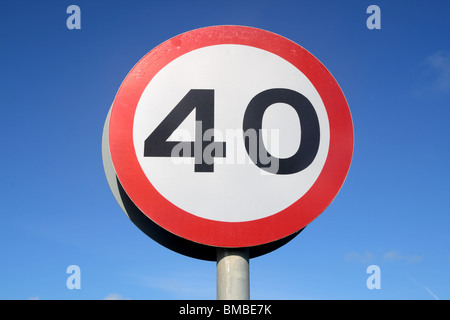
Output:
x=218 y=233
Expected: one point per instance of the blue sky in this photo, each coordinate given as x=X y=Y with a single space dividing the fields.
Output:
x=57 y=86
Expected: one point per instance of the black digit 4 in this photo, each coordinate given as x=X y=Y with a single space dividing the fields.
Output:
x=156 y=144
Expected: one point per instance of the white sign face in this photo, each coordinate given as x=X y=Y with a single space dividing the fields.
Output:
x=235 y=189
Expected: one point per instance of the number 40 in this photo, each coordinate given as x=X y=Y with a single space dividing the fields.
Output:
x=157 y=144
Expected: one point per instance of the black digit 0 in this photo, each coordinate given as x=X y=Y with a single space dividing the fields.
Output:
x=309 y=123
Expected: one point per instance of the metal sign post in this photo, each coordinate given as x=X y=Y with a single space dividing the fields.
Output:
x=233 y=281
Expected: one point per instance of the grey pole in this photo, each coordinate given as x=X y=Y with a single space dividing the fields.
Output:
x=233 y=281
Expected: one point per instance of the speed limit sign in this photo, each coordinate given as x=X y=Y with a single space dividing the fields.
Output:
x=230 y=136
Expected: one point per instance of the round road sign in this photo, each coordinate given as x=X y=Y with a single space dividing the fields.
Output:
x=230 y=136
